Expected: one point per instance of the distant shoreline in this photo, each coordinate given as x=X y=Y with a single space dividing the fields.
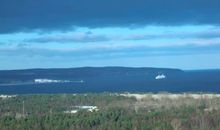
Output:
x=138 y=95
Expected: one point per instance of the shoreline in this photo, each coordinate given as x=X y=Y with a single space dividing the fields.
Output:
x=141 y=95
x=160 y=96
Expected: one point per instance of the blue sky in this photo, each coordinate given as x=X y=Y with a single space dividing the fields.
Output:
x=140 y=33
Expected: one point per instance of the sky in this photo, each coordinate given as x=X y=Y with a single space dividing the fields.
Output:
x=182 y=34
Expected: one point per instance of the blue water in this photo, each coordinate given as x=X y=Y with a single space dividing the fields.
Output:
x=109 y=80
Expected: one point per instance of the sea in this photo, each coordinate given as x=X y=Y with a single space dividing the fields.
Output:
x=108 y=79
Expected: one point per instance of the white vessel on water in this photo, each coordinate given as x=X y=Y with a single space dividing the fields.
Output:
x=46 y=81
x=55 y=81
x=162 y=76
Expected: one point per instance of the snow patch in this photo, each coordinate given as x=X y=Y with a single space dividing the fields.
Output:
x=87 y=108
x=7 y=96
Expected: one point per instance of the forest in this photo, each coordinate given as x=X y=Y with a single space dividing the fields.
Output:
x=114 y=112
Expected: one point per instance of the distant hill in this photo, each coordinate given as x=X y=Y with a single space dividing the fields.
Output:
x=88 y=71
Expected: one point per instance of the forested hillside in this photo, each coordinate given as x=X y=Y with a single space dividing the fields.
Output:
x=115 y=112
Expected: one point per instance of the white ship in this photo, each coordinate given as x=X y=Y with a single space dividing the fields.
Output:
x=162 y=76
